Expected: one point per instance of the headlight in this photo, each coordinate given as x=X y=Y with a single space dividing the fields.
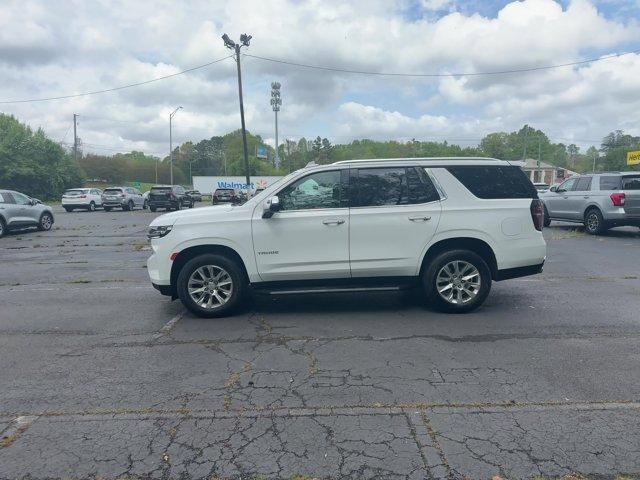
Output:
x=159 y=232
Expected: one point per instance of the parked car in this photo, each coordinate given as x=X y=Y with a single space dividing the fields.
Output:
x=169 y=197
x=126 y=198
x=195 y=195
x=84 y=198
x=450 y=226
x=541 y=187
x=20 y=211
x=226 y=195
x=599 y=201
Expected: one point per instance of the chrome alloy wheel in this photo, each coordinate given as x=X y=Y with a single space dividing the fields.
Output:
x=593 y=222
x=46 y=222
x=210 y=286
x=458 y=282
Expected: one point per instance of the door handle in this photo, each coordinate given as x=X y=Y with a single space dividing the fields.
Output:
x=419 y=219
x=565 y=196
x=586 y=196
x=333 y=222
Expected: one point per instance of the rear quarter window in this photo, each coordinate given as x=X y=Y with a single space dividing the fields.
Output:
x=492 y=182
x=631 y=183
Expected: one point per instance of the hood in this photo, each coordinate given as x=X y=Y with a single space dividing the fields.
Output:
x=194 y=215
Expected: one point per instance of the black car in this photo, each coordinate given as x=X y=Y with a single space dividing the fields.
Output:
x=169 y=197
x=228 y=195
x=195 y=194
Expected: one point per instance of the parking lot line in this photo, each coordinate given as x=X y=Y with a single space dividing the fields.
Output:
x=167 y=327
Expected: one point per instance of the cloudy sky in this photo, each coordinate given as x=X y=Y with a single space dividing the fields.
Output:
x=53 y=48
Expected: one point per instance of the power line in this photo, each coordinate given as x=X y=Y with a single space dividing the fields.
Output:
x=122 y=87
x=462 y=74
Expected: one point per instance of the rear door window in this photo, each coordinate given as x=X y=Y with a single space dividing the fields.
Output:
x=378 y=187
x=610 y=182
x=6 y=198
x=112 y=191
x=491 y=182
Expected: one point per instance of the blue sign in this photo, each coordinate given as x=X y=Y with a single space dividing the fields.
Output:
x=261 y=152
x=238 y=185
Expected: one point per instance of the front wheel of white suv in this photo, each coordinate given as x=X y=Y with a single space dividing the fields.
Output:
x=211 y=285
x=457 y=281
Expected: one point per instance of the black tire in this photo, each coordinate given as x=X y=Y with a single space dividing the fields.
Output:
x=153 y=209
x=145 y=205
x=3 y=228
x=547 y=220
x=593 y=222
x=107 y=209
x=92 y=207
x=46 y=222
x=129 y=206
x=430 y=282
x=191 y=204
x=177 y=206
x=238 y=291
x=68 y=209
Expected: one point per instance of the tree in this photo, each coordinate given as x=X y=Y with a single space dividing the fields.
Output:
x=32 y=163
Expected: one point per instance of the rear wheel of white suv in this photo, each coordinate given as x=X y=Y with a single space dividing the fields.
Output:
x=211 y=285
x=457 y=281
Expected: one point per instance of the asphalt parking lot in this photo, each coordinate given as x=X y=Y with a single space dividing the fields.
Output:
x=101 y=376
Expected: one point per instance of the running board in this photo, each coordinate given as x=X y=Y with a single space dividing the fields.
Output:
x=338 y=285
x=297 y=291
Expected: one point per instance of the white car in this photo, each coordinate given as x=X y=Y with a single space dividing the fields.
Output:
x=448 y=225
x=84 y=198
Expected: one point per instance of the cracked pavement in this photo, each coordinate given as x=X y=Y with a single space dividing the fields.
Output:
x=103 y=377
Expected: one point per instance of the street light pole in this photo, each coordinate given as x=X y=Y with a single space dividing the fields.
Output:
x=276 y=101
x=244 y=42
x=171 y=143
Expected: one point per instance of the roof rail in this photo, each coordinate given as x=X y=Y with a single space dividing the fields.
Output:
x=414 y=159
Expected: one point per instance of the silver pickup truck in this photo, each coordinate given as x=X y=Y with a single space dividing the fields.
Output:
x=598 y=200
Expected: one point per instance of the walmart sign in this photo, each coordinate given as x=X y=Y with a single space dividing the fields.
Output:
x=208 y=185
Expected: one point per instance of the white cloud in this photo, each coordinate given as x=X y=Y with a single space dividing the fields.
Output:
x=48 y=49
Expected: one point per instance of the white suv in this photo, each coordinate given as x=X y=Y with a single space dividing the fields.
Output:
x=84 y=198
x=450 y=225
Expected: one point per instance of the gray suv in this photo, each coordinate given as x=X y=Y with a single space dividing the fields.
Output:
x=126 y=198
x=19 y=211
x=599 y=201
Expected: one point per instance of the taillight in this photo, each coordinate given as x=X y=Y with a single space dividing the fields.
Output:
x=121 y=194
x=83 y=196
x=537 y=214
x=618 y=199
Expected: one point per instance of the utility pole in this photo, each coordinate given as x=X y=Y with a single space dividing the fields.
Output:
x=230 y=44
x=524 y=152
x=594 y=162
x=171 y=143
x=75 y=137
x=276 y=101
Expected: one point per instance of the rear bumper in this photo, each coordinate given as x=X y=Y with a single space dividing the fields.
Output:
x=161 y=204
x=76 y=204
x=509 y=273
x=113 y=204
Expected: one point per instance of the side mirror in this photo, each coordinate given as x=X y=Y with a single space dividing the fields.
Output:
x=553 y=189
x=560 y=190
x=33 y=202
x=271 y=206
